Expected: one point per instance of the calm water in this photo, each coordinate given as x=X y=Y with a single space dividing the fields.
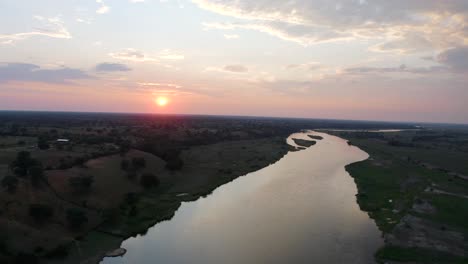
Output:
x=301 y=209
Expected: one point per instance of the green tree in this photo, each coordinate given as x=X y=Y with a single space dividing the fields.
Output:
x=42 y=143
x=37 y=174
x=149 y=180
x=138 y=162
x=10 y=182
x=124 y=164
x=40 y=212
x=81 y=184
x=76 y=218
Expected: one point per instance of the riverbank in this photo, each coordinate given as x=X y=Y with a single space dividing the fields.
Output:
x=205 y=168
x=414 y=194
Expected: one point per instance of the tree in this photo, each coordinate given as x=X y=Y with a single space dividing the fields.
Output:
x=149 y=180
x=23 y=160
x=81 y=184
x=131 y=175
x=42 y=143
x=138 y=162
x=124 y=164
x=10 y=182
x=76 y=218
x=40 y=212
x=174 y=164
x=37 y=174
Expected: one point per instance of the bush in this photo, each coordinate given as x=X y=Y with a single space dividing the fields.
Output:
x=149 y=180
x=81 y=184
x=124 y=164
x=60 y=251
x=131 y=175
x=10 y=182
x=138 y=163
x=174 y=164
x=76 y=218
x=43 y=144
x=37 y=174
x=40 y=212
x=23 y=258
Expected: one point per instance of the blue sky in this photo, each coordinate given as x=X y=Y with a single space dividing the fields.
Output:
x=357 y=59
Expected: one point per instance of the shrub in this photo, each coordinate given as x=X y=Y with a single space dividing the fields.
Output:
x=40 y=212
x=81 y=184
x=149 y=180
x=10 y=182
x=174 y=164
x=37 y=174
x=131 y=175
x=124 y=164
x=138 y=162
x=76 y=218
x=60 y=251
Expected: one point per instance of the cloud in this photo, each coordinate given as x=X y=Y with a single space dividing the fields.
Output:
x=455 y=58
x=167 y=89
x=139 y=56
x=235 y=68
x=160 y=85
x=103 y=8
x=231 y=36
x=132 y=55
x=400 y=69
x=112 y=67
x=168 y=54
x=400 y=26
x=48 y=27
x=311 y=66
x=301 y=34
x=33 y=73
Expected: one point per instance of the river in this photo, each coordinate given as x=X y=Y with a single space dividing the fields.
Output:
x=302 y=209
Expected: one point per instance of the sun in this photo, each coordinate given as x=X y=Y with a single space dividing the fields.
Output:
x=161 y=101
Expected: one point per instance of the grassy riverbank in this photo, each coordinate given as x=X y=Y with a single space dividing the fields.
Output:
x=205 y=168
x=414 y=187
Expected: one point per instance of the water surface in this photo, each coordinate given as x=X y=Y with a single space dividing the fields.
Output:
x=301 y=209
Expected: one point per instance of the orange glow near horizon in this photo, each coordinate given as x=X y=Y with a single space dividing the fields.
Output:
x=161 y=101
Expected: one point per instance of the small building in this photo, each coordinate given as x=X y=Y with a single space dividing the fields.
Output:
x=63 y=140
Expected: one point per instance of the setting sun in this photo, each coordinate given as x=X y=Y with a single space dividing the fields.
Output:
x=161 y=101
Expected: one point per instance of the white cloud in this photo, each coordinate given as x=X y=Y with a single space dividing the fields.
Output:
x=103 y=8
x=233 y=68
x=132 y=55
x=231 y=36
x=139 y=56
x=151 y=84
x=401 y=26
x=168 y=54
x=49 y=27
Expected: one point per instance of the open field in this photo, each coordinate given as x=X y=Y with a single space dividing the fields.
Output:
x=414 y=187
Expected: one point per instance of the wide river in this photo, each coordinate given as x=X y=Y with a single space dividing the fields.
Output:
x=302 y=209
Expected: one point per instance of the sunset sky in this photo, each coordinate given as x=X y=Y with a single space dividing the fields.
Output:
x=402 y=60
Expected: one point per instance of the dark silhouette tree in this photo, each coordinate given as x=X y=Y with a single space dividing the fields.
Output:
x=76 y=218
x=81 y=184
x=10 y=182
x=149 y=180
x=36 y=173
x=124 y=164
x=40 y=212
x=138 y=163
